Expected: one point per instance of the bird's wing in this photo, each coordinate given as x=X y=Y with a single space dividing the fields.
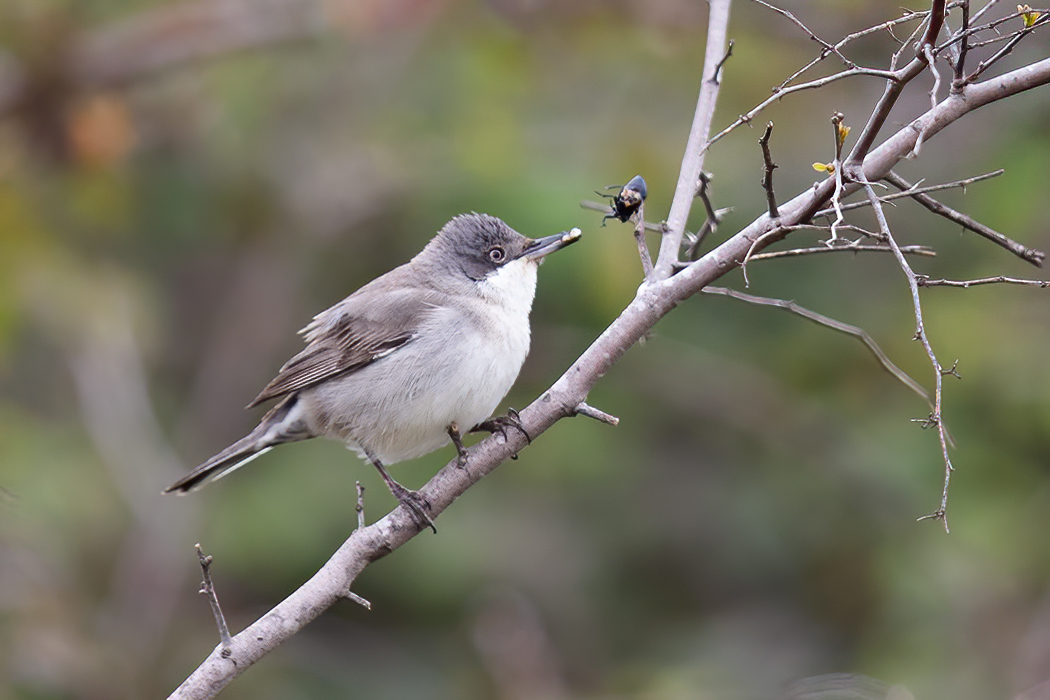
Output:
x=353 y=334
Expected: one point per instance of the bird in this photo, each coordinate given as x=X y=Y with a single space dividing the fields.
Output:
x=403 y=365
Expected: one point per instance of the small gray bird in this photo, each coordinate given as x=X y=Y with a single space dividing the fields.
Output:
x=401 y=366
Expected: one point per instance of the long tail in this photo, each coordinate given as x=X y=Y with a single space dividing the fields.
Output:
x=283 y=423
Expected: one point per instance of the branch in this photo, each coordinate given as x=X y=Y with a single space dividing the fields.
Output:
x=915 y=189
x=965 y=284
x=935 y=419
x=1030 y=254
x=696 y=144
x=562 y=400
x=643 y=249
x=208 y=589
x=767 y=173
x=827 y=322
x=818 y=250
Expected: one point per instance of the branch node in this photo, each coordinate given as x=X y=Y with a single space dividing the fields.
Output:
x=359 y=600
x=938 y=514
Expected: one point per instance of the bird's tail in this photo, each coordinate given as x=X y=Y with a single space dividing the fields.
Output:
x=283 y=423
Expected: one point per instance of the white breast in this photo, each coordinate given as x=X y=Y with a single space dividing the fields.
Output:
x=462 y=362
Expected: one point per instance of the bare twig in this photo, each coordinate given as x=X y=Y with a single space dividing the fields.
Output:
x=782 y=93
x=964 y=46
x=718 y=69
x=1006 y=49
x=714 y=217
x=894 y=86
x=643 y=249
x=920 y=250
x=767 y=173
x=914 y=189
x=935 y=419
x=827 y=48
x=360 y=507
x=1025 y=253
x=927 y=282
x=931 y=61
x=208 y=590
x=585 y=409
x=834 y=325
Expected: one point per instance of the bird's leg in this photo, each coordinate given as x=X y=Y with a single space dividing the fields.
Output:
x=499 y=424
x=416 y=504
x=457 y=440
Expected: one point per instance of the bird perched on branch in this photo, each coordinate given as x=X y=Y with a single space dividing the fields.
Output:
x=401 y=366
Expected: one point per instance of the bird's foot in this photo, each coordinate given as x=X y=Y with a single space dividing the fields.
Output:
x=416 y=504
x=499 y=424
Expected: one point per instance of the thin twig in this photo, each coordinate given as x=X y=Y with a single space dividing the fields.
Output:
x=1030 y=254
x=767 y=173
x=931 y=61
x=208 y=590
x=780 y=94
x=989 y=5
x=585 y=409
x=884 y=26
x=710 y=224
x=360 y=507
x=920 y=250
x=1005 y=50
x=895 y=83
x=927 y=282
x=915 y=190
x=964 y=46
x=828 y=48
x=718 y=69
x=643 y=249
x=827 y=322
x=837 y=171
x=935 y=418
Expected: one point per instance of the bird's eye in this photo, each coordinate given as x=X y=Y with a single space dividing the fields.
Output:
x=496 y=254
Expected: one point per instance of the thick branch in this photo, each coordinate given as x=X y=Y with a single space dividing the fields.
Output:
x=562 y=400
x=696 y=145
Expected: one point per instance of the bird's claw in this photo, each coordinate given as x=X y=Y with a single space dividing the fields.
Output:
x=416 y=504
x=499 y=424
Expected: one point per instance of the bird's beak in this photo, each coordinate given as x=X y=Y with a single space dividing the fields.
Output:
x=537 y=249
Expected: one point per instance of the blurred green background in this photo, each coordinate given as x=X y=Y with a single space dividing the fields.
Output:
x=752 y=521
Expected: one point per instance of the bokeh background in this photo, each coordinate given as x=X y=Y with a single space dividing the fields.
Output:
x=183 y=184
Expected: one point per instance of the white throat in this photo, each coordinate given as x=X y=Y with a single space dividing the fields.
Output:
x=511 y=287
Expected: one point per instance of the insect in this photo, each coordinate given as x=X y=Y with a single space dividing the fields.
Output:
x=627 y=201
